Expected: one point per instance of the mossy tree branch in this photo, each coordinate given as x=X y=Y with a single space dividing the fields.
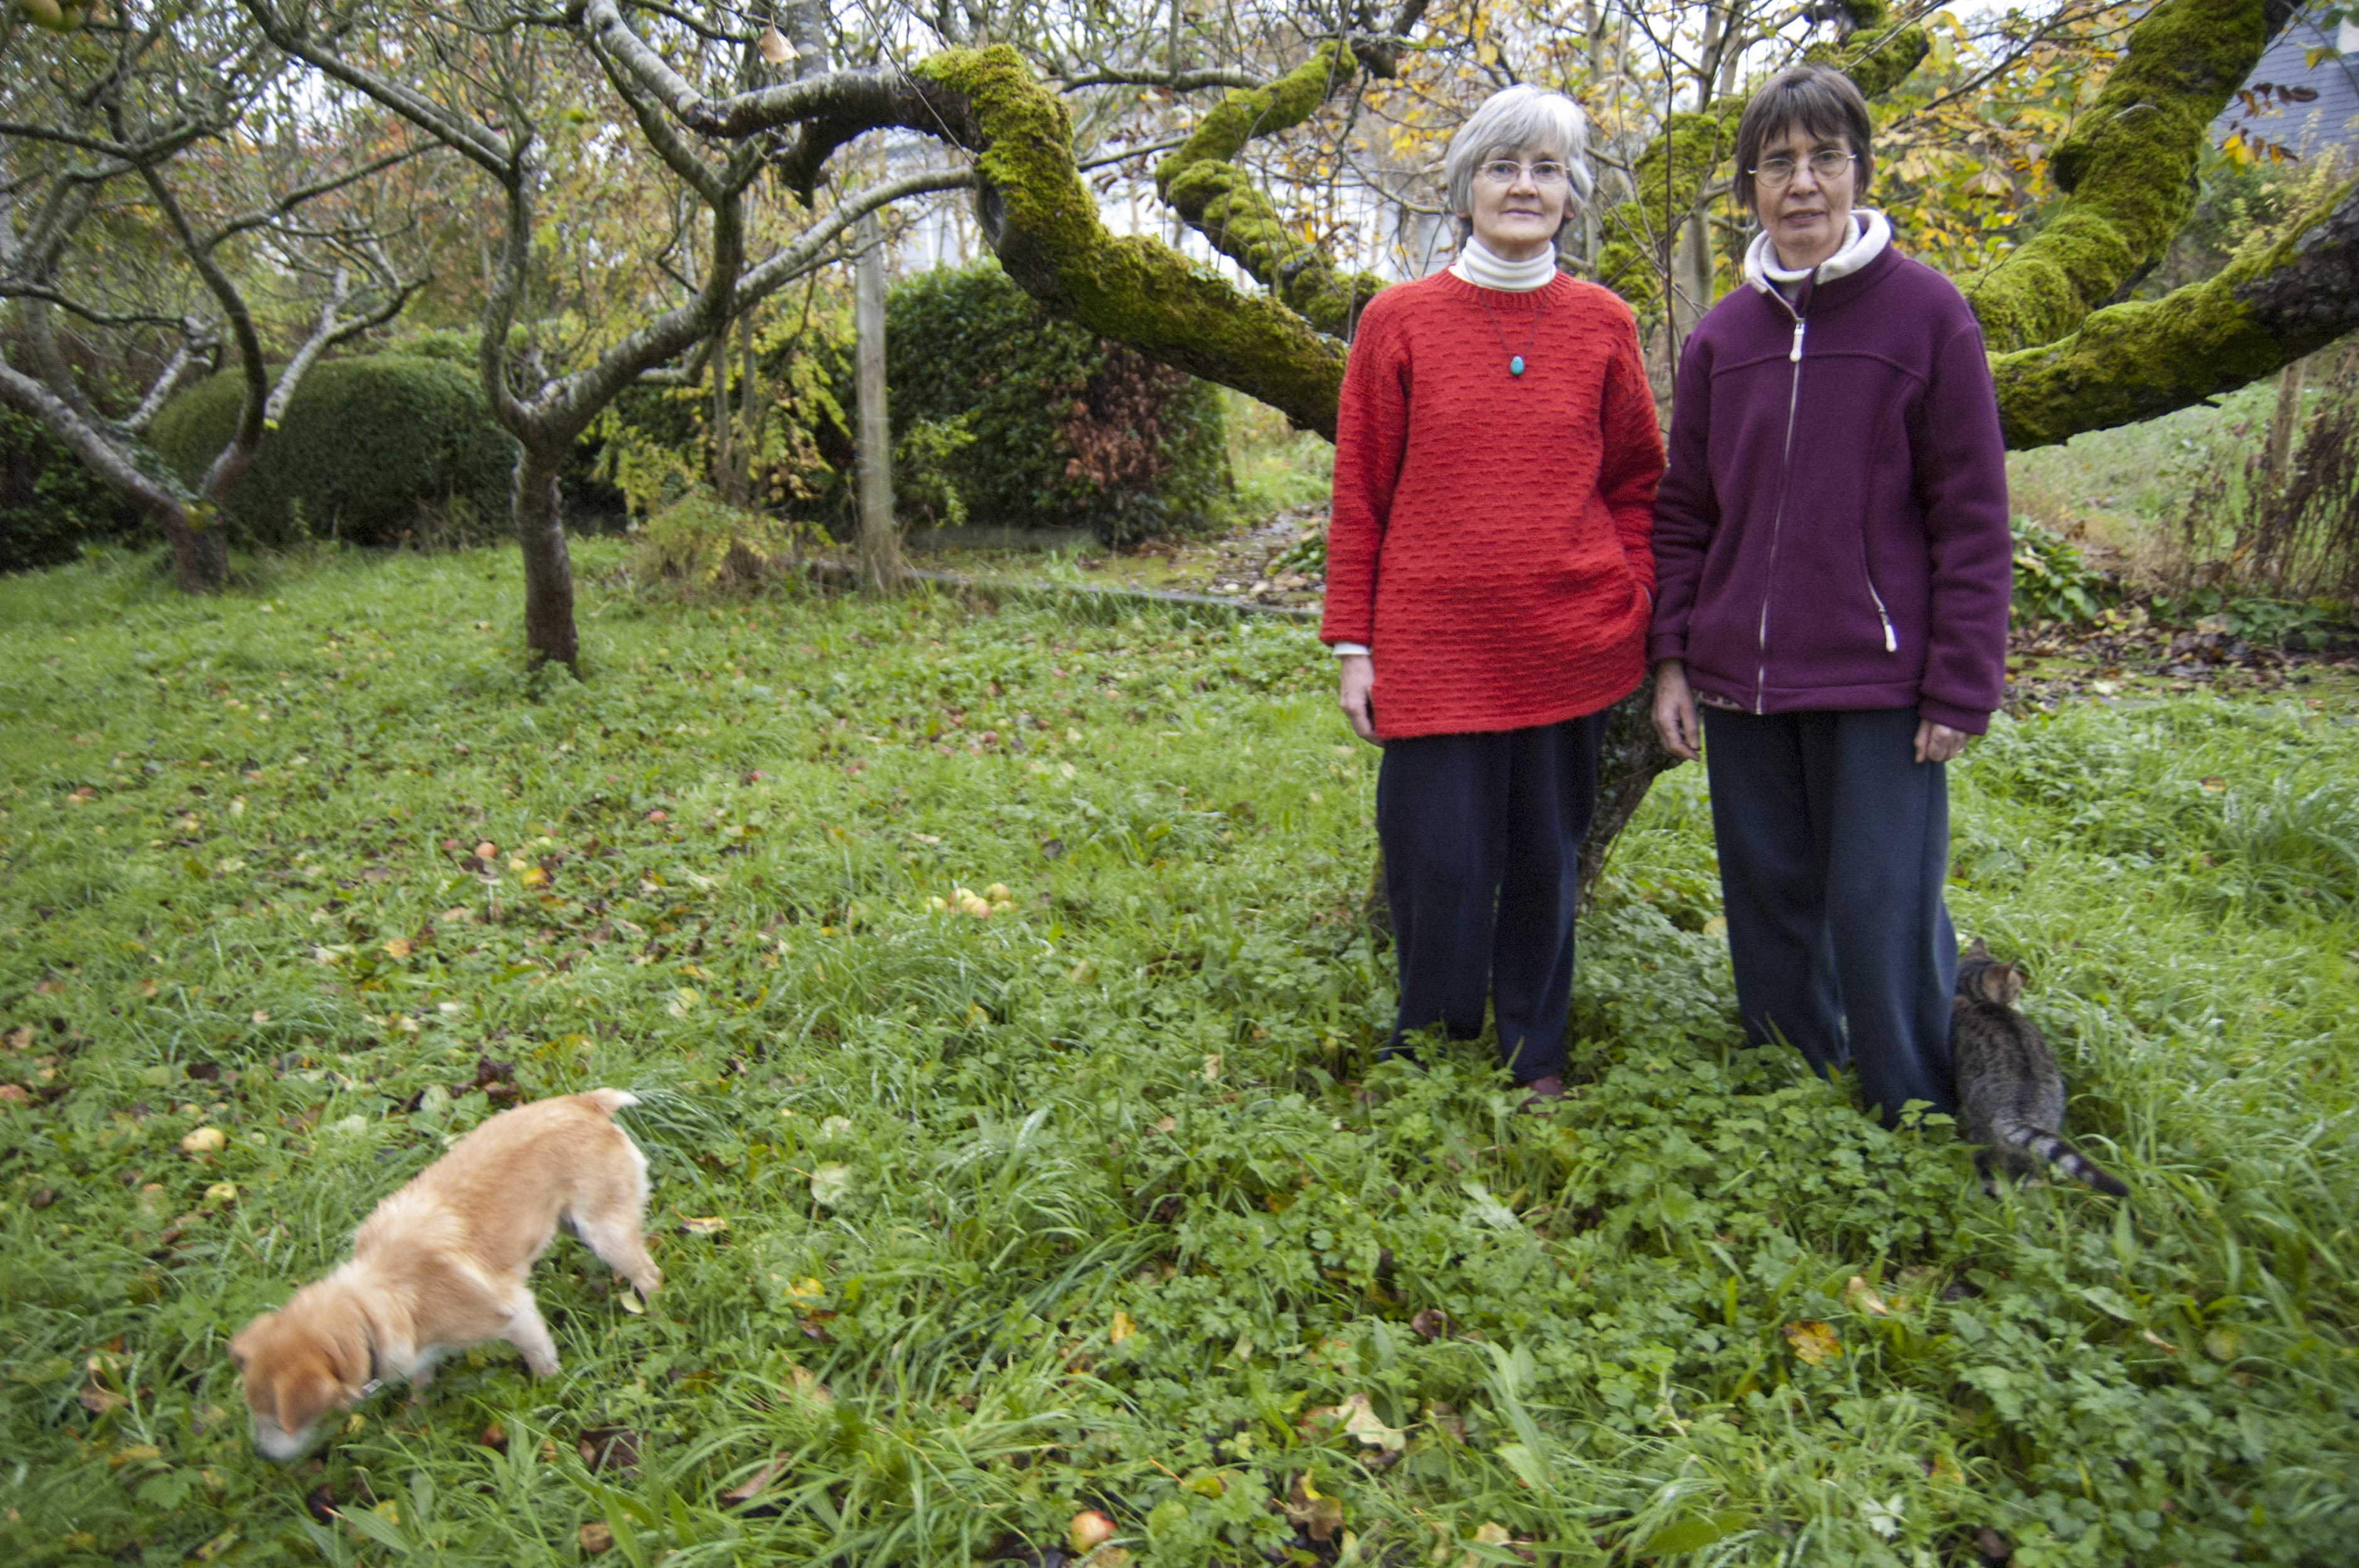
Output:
x=2137 y=361
x=1042 y=221
x=2127 y=168
x=1220 y=200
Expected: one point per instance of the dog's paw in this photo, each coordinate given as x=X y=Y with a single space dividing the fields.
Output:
x=541 y=1366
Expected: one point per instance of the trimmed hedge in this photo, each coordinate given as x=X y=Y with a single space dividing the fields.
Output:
x=1068 y=429
x=378 y=449
x=50 y=505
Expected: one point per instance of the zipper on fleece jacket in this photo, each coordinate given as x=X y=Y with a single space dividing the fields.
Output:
x=1777 y=518
x=1891 y=642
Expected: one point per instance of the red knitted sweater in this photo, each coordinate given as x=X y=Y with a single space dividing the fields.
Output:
x=1489 y=541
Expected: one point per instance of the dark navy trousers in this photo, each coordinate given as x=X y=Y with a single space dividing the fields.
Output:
x=1482 y=839
x=1834 y=842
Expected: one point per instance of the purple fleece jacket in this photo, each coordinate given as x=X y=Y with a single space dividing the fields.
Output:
x=1833 y=531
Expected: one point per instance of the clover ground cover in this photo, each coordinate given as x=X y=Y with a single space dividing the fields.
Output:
x=972 y=1223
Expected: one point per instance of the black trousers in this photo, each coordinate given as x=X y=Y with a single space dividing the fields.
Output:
x=1834 y=842
x=1482 y=839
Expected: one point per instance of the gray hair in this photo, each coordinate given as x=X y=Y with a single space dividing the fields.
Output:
x=1511 y=121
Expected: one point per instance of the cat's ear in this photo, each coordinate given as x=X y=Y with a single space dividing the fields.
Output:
x=1977 y=948
x=2007 y=979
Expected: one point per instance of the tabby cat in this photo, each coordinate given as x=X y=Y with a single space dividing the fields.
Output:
x=2008 y=1082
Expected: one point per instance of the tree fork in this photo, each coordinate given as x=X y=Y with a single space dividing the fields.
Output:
x=1220 y=200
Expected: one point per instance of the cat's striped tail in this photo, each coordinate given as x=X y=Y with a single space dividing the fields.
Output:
x=2058 y=1151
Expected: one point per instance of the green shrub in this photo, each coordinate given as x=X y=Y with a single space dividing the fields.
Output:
x=1068 y=430
x=50 y=505
x=2052 y=582
x=383 y=450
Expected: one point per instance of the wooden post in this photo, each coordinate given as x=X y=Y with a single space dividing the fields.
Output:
x=880 y=546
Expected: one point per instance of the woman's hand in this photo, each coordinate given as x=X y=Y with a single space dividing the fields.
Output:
x=1938 y=742
x=1358 y=682
x=1675 y=712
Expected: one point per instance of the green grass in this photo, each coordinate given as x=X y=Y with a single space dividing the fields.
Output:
x=1117 y=1216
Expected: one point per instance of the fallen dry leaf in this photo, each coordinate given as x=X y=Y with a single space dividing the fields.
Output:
x=708 y=1225
x=1364 y=1425
x=396 y=947
x=1813 y=1341
x=1860 y=1296
x=596 y=1538
x=615 y=1448
x=751 y=1487
x=1306 y=1506
x=1123 y=1328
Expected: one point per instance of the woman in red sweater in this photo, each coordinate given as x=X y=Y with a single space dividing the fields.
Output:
x=1489 y=581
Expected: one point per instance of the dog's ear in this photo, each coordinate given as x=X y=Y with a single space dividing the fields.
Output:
x=237 y=1358
x=349 y=1357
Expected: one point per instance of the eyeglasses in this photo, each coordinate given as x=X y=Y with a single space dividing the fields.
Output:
x=1777 y=173
x=1506 y=171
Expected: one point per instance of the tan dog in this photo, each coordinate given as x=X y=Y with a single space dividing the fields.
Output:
x=440 y=1265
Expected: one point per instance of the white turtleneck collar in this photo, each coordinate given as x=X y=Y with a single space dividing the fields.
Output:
x=1478 y=265
x=1869 y=240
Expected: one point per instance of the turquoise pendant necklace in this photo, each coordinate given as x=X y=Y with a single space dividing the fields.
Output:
x=1515 y=360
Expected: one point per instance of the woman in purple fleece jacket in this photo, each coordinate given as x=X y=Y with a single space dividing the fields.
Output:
x=1833 y=569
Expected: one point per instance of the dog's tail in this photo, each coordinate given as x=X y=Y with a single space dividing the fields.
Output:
x=2059 y=1152
x=609 y=1101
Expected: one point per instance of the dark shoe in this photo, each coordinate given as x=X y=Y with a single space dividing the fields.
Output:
x=1544 y=1093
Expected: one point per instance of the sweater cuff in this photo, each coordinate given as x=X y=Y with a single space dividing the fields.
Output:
x=1664 y=645
x=1966 y=721
x=1348 y=650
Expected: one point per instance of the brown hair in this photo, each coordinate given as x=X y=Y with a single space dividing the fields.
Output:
x=1822 y=101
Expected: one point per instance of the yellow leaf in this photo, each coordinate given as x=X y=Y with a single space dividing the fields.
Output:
x=1364 y=1425
x=807 y=1290
x=710 y=1224
x=534 y=877
x=398 y=947
x=1861 y=1297
x=1123 y=1328
x=1813 y=1341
